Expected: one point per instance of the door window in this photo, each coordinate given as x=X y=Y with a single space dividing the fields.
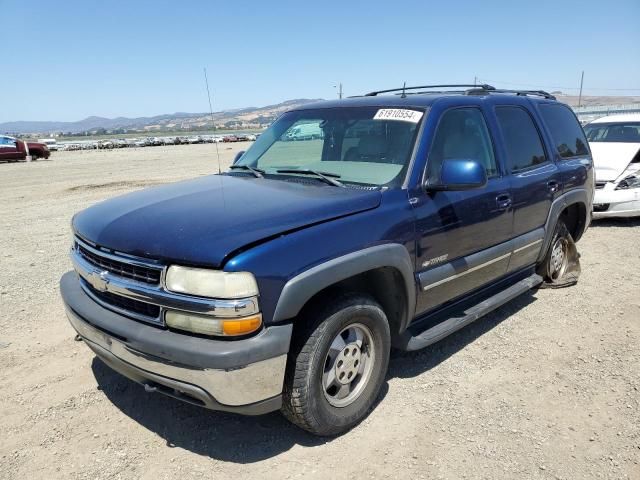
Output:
x=521 y=138
x=462 y=134
x=7 y=142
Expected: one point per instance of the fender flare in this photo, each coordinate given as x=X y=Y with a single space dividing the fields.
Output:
x=299 y=289
x=579 y=195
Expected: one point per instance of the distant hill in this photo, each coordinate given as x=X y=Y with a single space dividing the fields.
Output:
x=249 y=116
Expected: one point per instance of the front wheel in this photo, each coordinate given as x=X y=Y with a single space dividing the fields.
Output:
x=337 y=366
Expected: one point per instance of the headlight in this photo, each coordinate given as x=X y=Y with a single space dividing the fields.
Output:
x=210 y=283
x=632 y=181
x=207 y=325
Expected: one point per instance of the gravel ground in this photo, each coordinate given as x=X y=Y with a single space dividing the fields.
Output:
x=545 y=387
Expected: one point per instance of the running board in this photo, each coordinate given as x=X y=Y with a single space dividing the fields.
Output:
x=410 y=342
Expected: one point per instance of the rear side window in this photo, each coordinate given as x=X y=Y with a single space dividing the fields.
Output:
x=567 y=134
x=522 y=140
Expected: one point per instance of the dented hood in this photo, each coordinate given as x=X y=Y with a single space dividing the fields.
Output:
x=611 y=159
x=202 y=221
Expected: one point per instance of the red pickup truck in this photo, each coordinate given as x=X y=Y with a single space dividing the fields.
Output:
x=14 y=150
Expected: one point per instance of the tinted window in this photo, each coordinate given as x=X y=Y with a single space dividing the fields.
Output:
x=462 y=134
x=522 y=141
x=566 y=131
x=613 y=132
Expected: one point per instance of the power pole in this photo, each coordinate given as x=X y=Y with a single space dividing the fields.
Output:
x=475 y=81
x=340 y=91
x=580 y=95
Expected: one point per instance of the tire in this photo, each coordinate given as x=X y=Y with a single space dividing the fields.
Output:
x=318 y=359
x=561 y=264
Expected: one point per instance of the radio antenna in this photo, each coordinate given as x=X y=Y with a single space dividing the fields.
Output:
x=215 y=140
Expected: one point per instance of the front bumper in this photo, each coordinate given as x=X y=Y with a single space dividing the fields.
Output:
x=243 y=376
x=609 y=202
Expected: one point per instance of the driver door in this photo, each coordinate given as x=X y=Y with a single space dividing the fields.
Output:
x=462 y=236
x=8 y=149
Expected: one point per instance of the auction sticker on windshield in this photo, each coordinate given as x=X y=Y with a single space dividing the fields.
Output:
x=401 y=114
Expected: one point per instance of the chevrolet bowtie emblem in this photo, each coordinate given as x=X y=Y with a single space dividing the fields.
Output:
x=99 y=280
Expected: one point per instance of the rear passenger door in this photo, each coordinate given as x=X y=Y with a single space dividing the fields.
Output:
x=462 y=235
x=535 y=180
x=570 y=146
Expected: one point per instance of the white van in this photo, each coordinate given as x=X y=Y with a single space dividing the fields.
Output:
x=305 y=131
x=51 y=143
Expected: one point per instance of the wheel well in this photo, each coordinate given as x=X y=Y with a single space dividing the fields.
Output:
x=385 y=285
x=574 y=217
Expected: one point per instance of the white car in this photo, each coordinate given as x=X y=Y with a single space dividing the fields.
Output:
x=615 y=145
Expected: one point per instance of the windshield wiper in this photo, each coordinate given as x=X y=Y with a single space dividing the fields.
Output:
x=327 y=177
x=257 y=172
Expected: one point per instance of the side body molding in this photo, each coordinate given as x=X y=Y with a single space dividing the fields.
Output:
x=298 y=290
x=579 y=195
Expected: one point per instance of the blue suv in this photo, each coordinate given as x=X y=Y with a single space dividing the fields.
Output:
x=284 y=282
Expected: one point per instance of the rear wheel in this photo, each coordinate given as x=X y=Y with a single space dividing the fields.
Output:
x=561 y=264
x=337 y=366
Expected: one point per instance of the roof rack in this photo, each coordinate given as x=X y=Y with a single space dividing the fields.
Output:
x=472 y=89
x=483 y=86
x=482 y=91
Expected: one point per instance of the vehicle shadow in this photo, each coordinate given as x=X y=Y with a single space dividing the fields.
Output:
x=411 y=364
x=616 y=222
x=243 y=439
x=219 y=435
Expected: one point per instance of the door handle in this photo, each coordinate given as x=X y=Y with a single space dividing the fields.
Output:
x=503 y=201
x=553 y=186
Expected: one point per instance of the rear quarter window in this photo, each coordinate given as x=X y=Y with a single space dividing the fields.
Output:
x=568 y=137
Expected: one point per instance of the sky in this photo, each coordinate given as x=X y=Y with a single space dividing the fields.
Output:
x=67 y=60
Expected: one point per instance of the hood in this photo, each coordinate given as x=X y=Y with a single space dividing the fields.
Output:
x=201 y=221
x=611 y=159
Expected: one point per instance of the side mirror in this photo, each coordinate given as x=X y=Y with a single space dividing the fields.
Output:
x=238 y=156
x=460 y=174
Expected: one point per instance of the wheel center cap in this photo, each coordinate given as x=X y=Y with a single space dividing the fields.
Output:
x=348 y=364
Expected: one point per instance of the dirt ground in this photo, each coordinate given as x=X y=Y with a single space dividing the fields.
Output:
x=545 y=387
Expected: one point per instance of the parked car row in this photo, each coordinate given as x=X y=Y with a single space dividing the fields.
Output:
x=154 y=142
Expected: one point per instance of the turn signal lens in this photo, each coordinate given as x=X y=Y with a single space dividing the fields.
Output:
x=206 y=325
x=242 y=326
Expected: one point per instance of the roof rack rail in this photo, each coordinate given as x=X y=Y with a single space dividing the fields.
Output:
x=483 y=86
x=480 y=90
x=472 y=89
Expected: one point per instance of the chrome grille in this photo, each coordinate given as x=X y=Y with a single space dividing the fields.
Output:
x=128 y=304
x=118 y=267
x=140 y=271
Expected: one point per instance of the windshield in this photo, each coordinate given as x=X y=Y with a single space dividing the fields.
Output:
x=613 y=132
x=360 y=145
